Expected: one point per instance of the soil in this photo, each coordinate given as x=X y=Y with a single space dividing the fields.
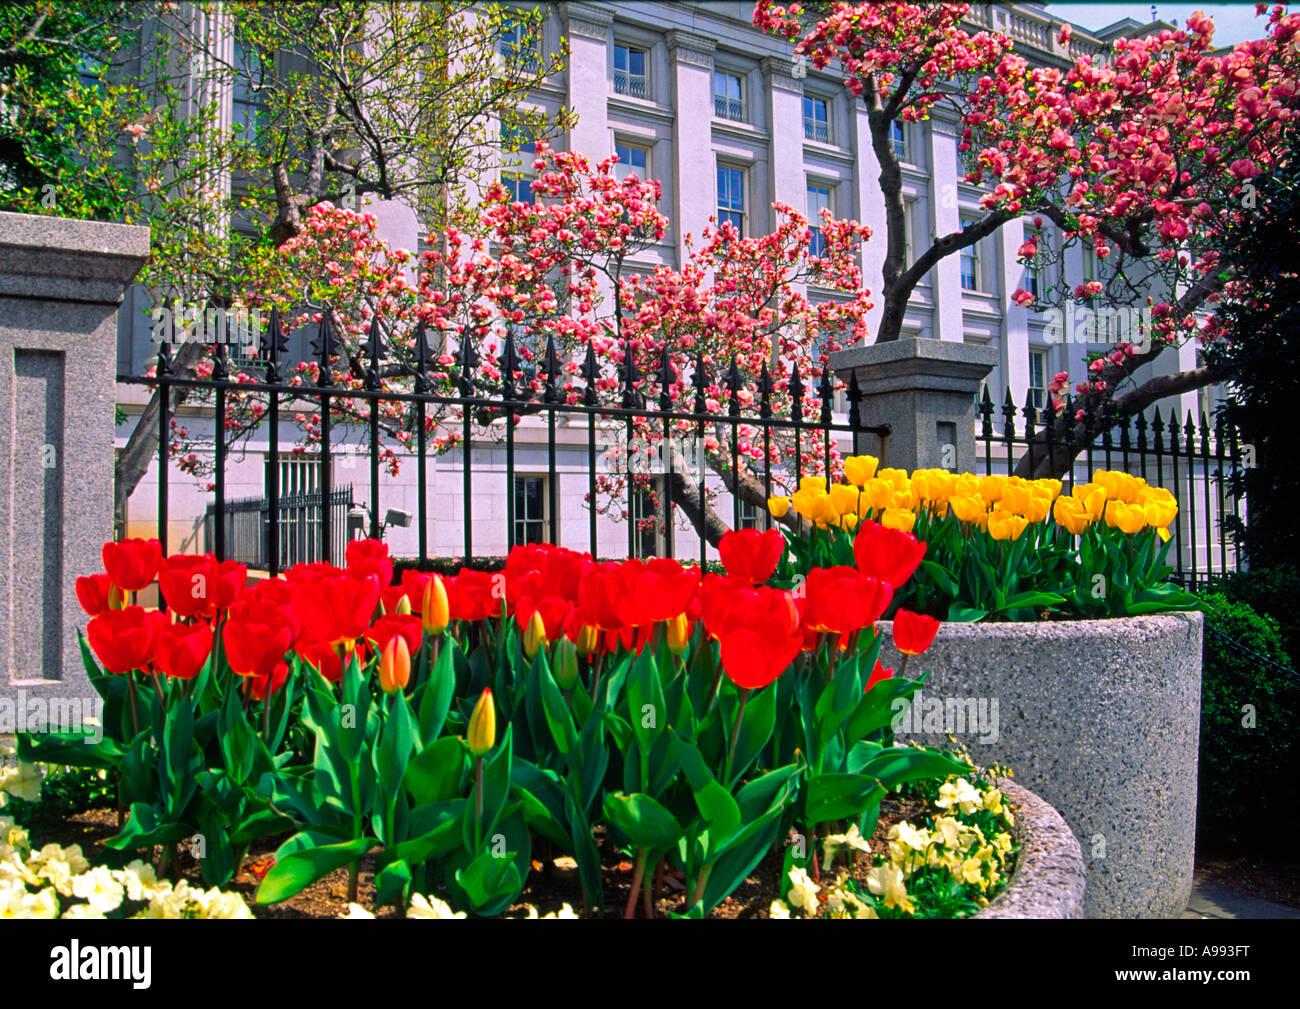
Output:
x=1274 y=880
x=550 y=885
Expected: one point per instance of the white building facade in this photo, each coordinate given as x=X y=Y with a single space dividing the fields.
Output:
x=692 y=95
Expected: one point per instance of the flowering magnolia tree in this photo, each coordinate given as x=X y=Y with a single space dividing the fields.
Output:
x=542 y=306
x=1146 y=156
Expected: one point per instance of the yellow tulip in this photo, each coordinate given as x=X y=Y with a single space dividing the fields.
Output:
x=403 y=605
x=992 y=486
x=878 y=494
x=965 y=485
x=1004 y=525
x=810 y=502
x=588 y=639
x=534 y=635
x=435 y=612
x=1072 y=515
x=848 y=522
x=817 y=483
x=1125 y=517
x=844 y=499
x=678 y=634
x=482 y=732
x=1037 y=508
x=898 y=518
x=898 y=477
x=858 y=469
x=778 y=506
x=968 y=508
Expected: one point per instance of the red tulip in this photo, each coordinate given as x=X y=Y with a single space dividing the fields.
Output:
x=93 y=594
x=887 y=554
x=913 y=632
x=878 y=675
x=404 y=625
x=751 y=554
x=124 y=639
x=254 y=649
x=132 y=563
x=395 y=665
x=369 y=557
x=182 y=649
x=842 y=600
x=275 y=679
x=337 y=607
x=474 y=595
x=598 y=595
x=186 y=582
x=754 y=656
x=326 y=659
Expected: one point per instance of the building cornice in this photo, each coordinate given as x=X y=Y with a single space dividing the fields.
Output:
x=692 y=49
x=586 y=21
x=779 y=73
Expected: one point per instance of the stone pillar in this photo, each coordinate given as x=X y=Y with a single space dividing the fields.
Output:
x=61 y=283
x=925 y=391
x=588 y=31
x=696 y=187
x=941 y=145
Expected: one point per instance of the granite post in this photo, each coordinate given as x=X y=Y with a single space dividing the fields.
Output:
x=61 y=282
x=925 y=390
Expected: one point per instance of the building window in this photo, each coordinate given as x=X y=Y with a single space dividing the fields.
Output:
x=517 y=147
x=1089 y=264
x=731 y=197
x=531 y=519
x=749 y=516
x=898 y=139
x=632 y=160
x=1035 y=275
x=630 y=72
x=645 y=518
x=728 y=96
x=970 y=263
x=819 y=199
x=247 y=112
x=816 y=120
x=520 y=45
x=1038 y=378
x=909 y=223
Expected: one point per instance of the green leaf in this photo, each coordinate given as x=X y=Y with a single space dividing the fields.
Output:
x=837 y=796
x=302 y=860
x=644 y=820
x=437 y=772
x=487 y=879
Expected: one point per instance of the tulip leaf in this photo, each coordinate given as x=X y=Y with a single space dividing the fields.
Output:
x=900 y=764
x=838 y=796
x=303 y=859
x=645 y=700
x=217 y=861
x=880 y=705
x=488 y=881
x=756 y=727
x=437 y=772
x=393 y=881
x=558 y=718
x=644 y=820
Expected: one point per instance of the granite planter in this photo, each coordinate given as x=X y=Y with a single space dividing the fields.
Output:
x=1049 y=877
x=1101 y=719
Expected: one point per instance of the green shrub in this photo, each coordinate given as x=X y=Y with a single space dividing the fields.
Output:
x=1249 y=713
x=1274 y=592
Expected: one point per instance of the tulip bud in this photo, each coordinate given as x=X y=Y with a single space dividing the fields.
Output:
x=534 y=635
x=403 y=605
x=566 y=663
x=588 y=639
x=394 y=665
x=435 y=611
x=679 y=634
x=482 y=732
x=116 y=597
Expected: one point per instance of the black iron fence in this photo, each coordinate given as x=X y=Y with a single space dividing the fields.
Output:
x=313 y=526
x=1194 y=462
x=247 y=535
x=641 y=403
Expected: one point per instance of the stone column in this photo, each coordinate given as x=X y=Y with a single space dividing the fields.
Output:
x=925 y=391
x=785 y=118
x=61 y=283
x=588 y=32
x=696 y=187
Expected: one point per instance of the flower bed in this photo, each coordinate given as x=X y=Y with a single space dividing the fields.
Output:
x=444 y=727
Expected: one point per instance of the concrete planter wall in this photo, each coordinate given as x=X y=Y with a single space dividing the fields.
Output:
x=1101 y=718
x=1049 y=878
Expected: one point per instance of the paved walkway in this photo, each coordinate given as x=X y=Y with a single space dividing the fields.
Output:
x=1210 y=901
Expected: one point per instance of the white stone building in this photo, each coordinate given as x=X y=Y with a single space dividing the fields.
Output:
x=692 y=95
